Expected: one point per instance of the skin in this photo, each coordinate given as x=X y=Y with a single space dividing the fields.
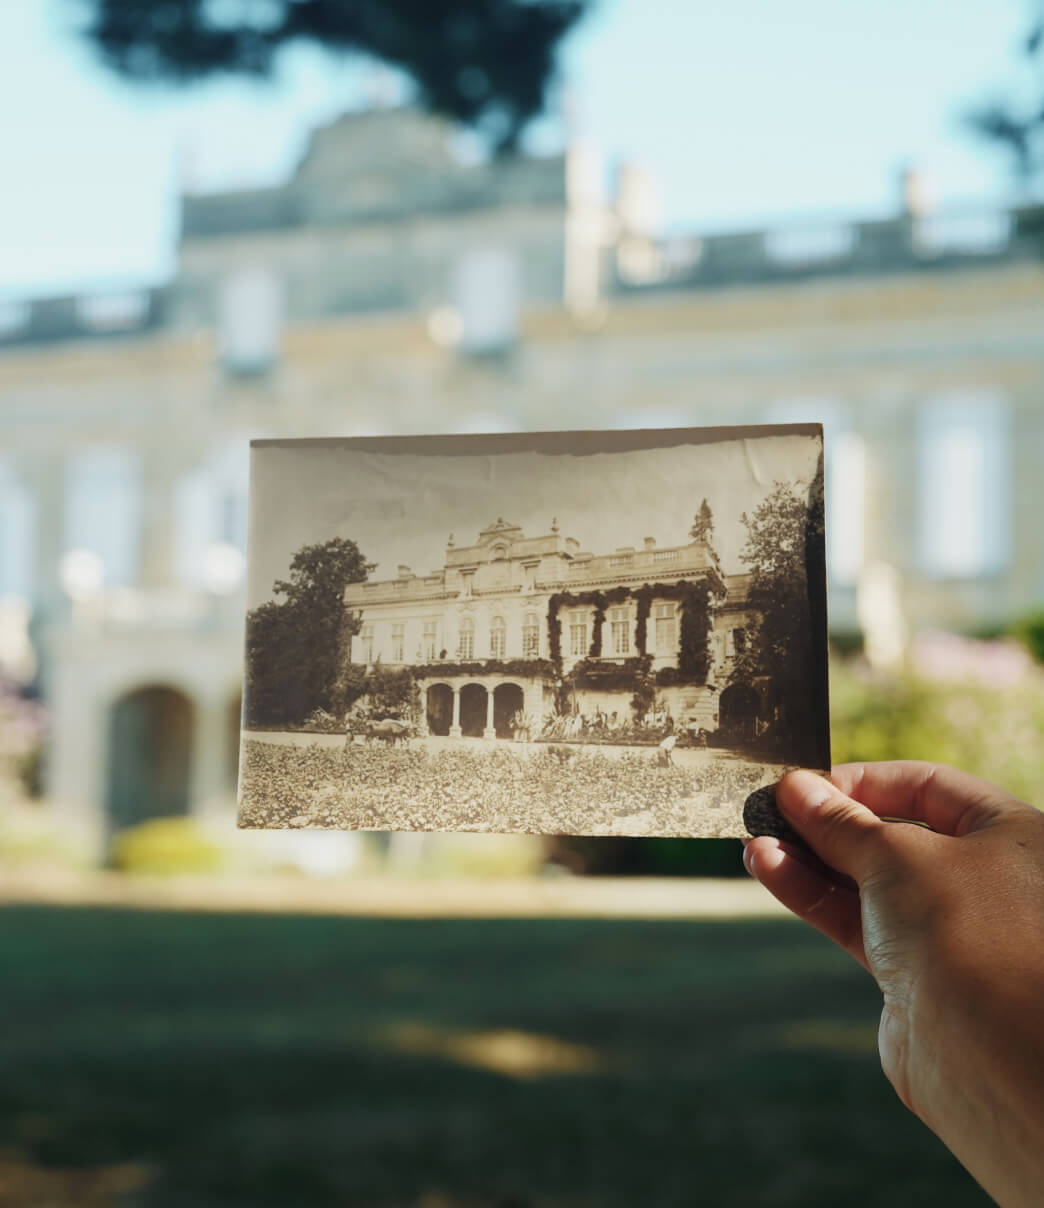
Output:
x=948 y=917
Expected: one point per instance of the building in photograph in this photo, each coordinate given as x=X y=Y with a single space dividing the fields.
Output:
x=492 y=632
x=388 y=287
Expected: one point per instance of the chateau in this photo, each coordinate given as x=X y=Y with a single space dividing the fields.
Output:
x=492 y=633
x=386 y=287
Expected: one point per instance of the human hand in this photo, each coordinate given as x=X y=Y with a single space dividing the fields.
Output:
x=950 y=922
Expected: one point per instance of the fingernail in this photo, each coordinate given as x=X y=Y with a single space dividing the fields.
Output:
x=748 y=860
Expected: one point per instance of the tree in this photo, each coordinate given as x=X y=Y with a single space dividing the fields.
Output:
x=295 y=647
x=1018 y=124
x=485 y=63
x=786 y=646
x=703 y=524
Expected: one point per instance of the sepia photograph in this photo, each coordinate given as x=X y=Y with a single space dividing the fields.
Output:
x=575 y=633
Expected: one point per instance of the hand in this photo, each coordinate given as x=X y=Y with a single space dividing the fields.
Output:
x=950 y=922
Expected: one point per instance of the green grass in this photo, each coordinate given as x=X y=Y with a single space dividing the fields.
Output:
x=247 y=1061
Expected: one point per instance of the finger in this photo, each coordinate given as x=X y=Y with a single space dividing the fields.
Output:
x=841 y=832
x=947 y=800
x=809 y=892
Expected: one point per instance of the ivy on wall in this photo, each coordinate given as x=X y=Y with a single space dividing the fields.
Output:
x=693 y=636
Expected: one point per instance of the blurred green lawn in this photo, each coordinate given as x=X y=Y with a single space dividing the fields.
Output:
x=263 y=1060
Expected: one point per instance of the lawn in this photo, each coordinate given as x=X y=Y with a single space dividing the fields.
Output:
x=203 y=1060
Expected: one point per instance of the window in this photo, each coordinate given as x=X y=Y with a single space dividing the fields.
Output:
x=530 y=576
x=366 y=639
x=398 y=642
x=467 y=579
x=739 y=640
x=530 y=636
x=430 y=641
x=104 y=509
x=17 y=523
x=578 y=634
x=965 y=474
x=497 y=638
x=666 y=636
x=466 y=642
x=619 y=630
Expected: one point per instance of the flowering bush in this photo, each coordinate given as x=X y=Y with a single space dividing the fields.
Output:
x=978 y=705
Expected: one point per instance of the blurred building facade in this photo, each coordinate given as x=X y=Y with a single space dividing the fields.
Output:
x=389 y=287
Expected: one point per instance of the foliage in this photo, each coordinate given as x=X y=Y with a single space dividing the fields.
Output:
x=500 y=788
x=486 y=63
x=23 y=732
x=1029 y=630
x=1018 y=122
x=622 y=676
x=703 y=524
x=296 y=648
x=784 y=537
x=165 y=846
x=388 y=692
x=990 y=730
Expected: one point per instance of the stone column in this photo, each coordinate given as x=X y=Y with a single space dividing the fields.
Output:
x=490 y=730
x=455 y=730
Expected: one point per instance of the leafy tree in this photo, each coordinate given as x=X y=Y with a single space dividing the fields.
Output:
x=486 y=63
x=295 y=647
x=703 y=524
x=786 y=648
x=1018 y=124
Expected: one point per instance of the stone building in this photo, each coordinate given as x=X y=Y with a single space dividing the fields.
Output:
x=492 y=633
x=389 y=288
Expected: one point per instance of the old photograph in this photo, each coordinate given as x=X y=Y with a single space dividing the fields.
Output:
x=581 y=633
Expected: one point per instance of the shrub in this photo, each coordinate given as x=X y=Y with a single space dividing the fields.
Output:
x=164 y=847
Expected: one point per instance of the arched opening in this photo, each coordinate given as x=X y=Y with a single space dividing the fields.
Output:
x=150 y=756
x=439 y=709
x=472 y=710
x=233 y=726
x=738 y=712
x=508 y=700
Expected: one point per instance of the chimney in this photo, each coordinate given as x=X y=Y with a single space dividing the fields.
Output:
x=405 y=572
x=650 y=542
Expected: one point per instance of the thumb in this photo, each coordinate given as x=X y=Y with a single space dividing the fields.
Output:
x=841 y=832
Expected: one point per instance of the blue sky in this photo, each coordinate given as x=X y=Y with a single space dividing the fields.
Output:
x=745 y=112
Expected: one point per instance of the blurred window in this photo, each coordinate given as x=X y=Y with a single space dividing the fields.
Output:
x=620 y=630
x=466 y=641
x=666 y=634
x=964 y=478
x=210 y=508
x=430 y=642
x=103 y=509
x=846 y=505
x=578 y=634
x=366 y=638
x=114 y=312
x=530 y=636
x=497 y=638
x=250 y=321
x=486 y=298
x=398 y=642
x=17 y=517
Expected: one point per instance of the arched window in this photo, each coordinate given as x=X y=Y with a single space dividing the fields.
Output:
x=530 y=636
x=466 y=641
x=497 y=638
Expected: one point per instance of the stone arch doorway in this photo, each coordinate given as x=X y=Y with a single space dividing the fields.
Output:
x=508 y=699
x=738 y=712
x=439 y=709
x=473 y=707
x=150 y=756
